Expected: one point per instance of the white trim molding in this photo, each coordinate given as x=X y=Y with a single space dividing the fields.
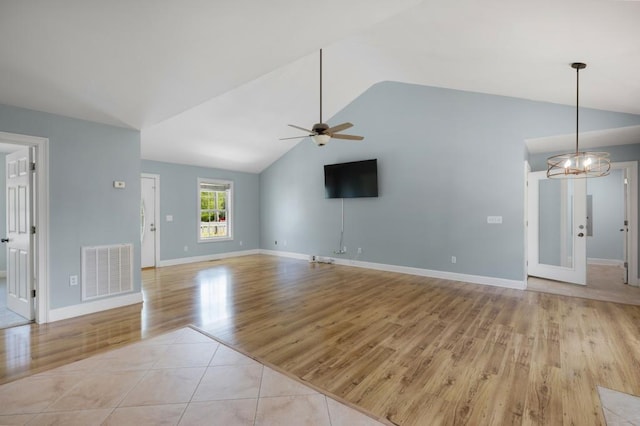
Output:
x=605 y=262
x=156 y=207
x=95 y=306
x=288 y=254
x=632 y=215
x=206 y=258
x=41 y=221
x=452 y=276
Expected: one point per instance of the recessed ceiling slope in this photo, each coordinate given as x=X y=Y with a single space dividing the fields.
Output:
x=240 y=129
x=137 y=63
x=519 y=49
x=210 y=83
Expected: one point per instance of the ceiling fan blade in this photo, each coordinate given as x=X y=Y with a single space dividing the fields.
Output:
x=295 y=137
x=349 y=137
x=301 y=128
x=339 y=128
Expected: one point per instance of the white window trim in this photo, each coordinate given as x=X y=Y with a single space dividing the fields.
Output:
x=230 y=220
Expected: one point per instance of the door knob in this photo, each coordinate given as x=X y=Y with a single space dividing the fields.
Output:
x=5 y=240
x=581 y=235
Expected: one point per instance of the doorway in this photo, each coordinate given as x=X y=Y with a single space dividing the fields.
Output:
x=149 y=223
x=36 y=202
x=17 y=305
x=584 y=226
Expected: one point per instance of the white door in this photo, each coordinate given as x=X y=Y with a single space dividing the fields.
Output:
x=148 y=229
x=18 y=238
x=557 y=228
x=626 y=236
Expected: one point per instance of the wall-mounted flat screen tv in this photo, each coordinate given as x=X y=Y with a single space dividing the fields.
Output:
x=351 y=180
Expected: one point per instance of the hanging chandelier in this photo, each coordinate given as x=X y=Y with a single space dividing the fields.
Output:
x=578 y=164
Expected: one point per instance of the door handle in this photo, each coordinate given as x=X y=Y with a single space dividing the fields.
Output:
x=5 y=240
x=152 y=228
x=581 y=235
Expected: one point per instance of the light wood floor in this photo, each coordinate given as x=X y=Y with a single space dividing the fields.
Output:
x=411 y=349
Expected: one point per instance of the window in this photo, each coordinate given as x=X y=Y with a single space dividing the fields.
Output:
x=214 y=213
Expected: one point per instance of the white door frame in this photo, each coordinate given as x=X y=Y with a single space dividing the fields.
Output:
x=156 y=219
x=40 y=219
x=632 y=214
x=527 y=170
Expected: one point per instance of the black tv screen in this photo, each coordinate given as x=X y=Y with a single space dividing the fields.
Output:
x=351 y=180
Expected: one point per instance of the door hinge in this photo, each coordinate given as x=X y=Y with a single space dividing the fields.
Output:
x=32 y=167
x=626 y=223
x=33 y=293
x=626 y=264
x=33 y=229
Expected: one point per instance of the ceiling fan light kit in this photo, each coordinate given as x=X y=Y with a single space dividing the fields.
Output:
x=321 y=133
x=320 y=140
x=578 y=164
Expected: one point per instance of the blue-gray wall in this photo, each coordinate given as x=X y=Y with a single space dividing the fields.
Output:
x=179 y=198
x=447 y=160
x=85 y=210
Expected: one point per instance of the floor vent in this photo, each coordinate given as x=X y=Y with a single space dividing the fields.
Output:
x=106 y=270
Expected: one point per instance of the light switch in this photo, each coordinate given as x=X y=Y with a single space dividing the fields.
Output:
x=169 y=218
x=494 y=220
x=119 y=184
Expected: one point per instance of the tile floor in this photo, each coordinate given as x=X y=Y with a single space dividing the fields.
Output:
x=603 y=283
x=619 y=408
x=8 y=318
x=183 y=377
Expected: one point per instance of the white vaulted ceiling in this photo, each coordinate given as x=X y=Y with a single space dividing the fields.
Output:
x=214 y=83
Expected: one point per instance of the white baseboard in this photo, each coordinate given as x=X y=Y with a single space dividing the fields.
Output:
x=606 y=262
x=95 y=306
x=453 y=276
x=3 y=274
x=288 y=254
x=205 y=258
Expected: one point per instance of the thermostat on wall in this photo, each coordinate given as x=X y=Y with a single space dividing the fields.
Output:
x=118 y=184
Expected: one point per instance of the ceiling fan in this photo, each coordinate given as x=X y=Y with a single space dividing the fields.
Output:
x=320 y=133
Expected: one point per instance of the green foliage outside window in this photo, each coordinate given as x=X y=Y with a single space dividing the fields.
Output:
x=213 y=213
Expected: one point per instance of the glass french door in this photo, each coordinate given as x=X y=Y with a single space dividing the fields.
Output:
x=557 y=220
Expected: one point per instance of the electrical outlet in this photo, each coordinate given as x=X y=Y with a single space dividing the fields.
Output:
x=453 y=259
x=344 y=249
x=359 y=250
x=73 y=280
x=186 y=248
x=240 y=242
x=284 y=243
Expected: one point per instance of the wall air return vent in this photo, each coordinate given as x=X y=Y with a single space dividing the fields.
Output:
x=107 y=270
